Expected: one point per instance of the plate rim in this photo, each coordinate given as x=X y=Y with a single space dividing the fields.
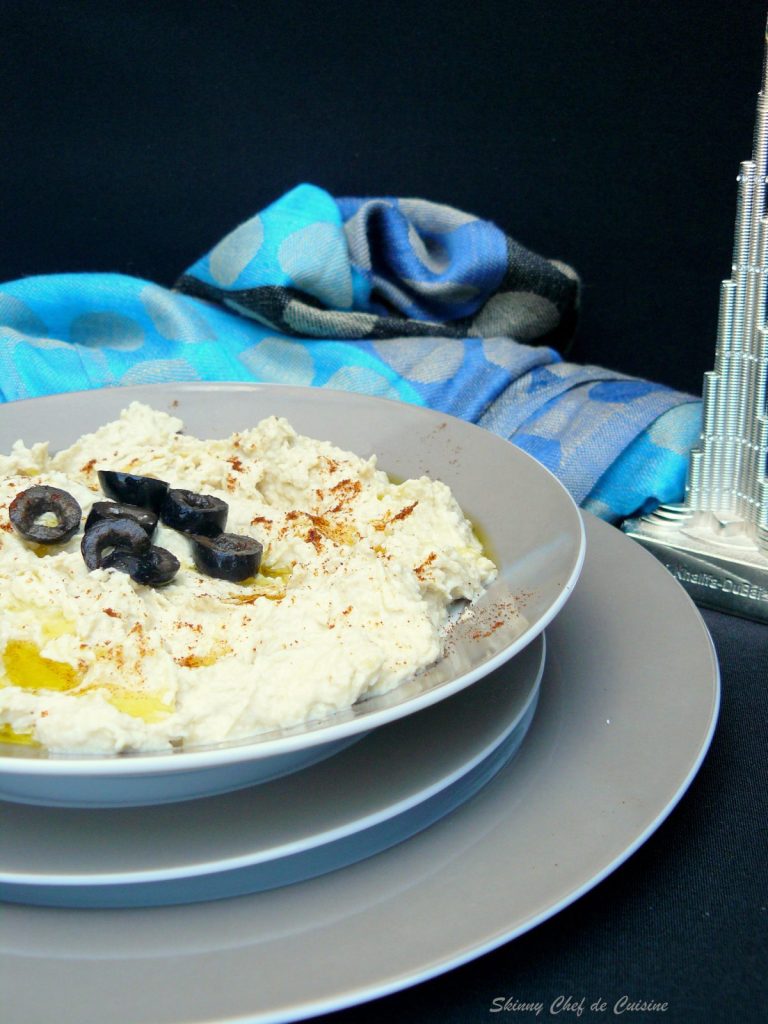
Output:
x=504 y=936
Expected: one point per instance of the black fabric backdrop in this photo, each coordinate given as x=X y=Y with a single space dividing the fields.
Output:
x=606 y=133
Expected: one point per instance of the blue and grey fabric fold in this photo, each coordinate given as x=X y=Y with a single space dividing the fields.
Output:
x=401 y=298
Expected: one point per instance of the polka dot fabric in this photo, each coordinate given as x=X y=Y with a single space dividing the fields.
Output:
x=401 y=298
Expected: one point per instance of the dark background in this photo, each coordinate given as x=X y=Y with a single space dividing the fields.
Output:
x=607 y=133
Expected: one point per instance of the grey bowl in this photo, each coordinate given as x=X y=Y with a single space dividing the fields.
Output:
x=529 y=523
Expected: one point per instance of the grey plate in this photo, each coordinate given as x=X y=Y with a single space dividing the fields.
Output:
x=533 y=528
x=628 y=705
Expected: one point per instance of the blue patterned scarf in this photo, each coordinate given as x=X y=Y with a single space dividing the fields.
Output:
x=401 y=298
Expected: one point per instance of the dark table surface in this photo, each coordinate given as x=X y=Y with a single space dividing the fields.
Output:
x=683 y=922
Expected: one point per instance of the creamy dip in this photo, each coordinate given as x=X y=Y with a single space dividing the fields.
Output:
x=352 y=597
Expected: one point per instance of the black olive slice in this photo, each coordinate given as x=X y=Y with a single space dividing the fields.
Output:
x=123 y=534
x=155 y=567
x=31 y=505
x=110 y=510
x=229 y=556
x=188 y=512
x=144 y=491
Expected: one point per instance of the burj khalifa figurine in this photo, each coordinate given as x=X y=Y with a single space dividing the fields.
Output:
x=716 y=542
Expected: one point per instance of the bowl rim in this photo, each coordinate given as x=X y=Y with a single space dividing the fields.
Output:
x=346 y=722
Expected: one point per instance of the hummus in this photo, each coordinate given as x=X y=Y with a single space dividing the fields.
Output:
x=352 y=597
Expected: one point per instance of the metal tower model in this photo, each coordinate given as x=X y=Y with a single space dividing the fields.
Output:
x=716 y=542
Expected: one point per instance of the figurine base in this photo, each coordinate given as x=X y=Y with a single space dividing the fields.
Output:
x=715 y=558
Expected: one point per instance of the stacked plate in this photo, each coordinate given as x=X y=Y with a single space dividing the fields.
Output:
x=459 y=810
